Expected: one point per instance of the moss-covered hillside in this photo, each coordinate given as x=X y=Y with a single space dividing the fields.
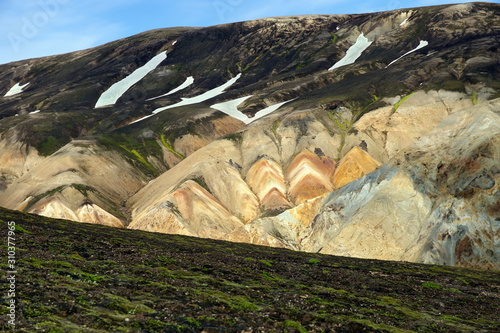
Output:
x=75 y=277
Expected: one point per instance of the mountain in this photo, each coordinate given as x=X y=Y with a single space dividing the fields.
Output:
x=370 y=135
x=118 y=280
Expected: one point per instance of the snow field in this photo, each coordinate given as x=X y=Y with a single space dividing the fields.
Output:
x=354 y=52
x=110 y=96
x=16 y=89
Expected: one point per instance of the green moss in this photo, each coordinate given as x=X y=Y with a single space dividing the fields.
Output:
x=267 y=262
x=20 y=229
x=398 y=104
x=167 y=260
x=300 y=66
x=234 y=137
x=170 y=147
x=135 y=149
x=431 y=285
x=83 y=189
x=334 y=38
x=193 y=322
x=313 y=261
x=39 y=197
x=49 y=146
x=253 y=62
x=389 y=300
x=473 y=97
x=377 y=327
x=296 y=325
x=201 y=181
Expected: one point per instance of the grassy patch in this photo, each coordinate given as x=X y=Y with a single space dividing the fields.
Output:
x=174 y=283
x=170 y=147
x=237 y=138
x=293 y=324
x=401 y=101
x=313 y=261
x=39 y=197
x=473 y=97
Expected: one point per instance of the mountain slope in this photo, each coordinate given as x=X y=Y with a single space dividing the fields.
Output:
x=372 y=135
x=134 y=281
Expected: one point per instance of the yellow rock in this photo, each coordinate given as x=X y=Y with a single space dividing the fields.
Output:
x=355 y=164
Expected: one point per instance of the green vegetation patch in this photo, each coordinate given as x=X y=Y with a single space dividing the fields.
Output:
x=120 y=280
x=135 y=149
x=170 y=147
x=401 y=101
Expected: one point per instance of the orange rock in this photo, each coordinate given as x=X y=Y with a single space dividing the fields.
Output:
x=355 y=164
x=309 y=176
x=266 y=179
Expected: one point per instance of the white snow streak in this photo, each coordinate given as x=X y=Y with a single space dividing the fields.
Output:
x=268 y=110
x=354 y=52
x=16 y=89
x=201 y=98
x=423 y=43
x=189 y=81
x=141 y=119
x=110 y=96
x=34 y=112
x=231 y=108
x=404 y=22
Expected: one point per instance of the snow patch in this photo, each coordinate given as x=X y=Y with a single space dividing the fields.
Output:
x=16 y=89
x=110 y=96
x=354 y=52
x=189 y=81
x=231 y=108
x=35 y=112
x=268 y=110
x=403 y=23
x=201 y=98
x=141 y=119
x=423 y=43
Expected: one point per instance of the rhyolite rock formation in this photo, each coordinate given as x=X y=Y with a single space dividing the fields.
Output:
x=394 y=155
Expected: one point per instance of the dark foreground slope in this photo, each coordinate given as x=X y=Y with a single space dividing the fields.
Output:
x=76 y=277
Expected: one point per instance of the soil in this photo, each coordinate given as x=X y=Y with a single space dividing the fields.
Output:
x=77 y=277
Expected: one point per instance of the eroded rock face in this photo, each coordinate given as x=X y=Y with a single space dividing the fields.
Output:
x=392 y=156
x=266 y=179
x=355 y=164
x=189 y=210
x=424 y=205
x=309 y=176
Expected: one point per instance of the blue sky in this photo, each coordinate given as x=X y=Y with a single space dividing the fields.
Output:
x=34 y=28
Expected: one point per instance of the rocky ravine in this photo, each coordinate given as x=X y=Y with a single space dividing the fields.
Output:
x=394 y=155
